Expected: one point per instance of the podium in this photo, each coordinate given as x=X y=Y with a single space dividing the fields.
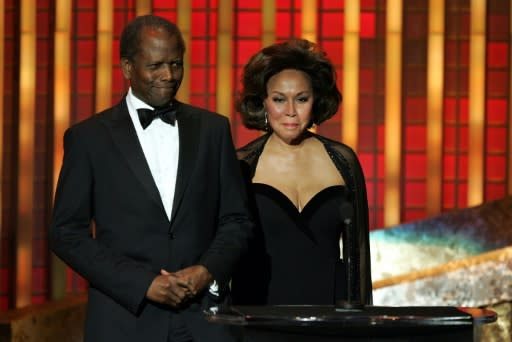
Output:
x=370 y=323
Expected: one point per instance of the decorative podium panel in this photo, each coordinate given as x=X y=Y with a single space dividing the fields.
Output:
x=371 y=323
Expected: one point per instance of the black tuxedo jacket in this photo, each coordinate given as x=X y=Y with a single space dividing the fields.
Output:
x=105 y=179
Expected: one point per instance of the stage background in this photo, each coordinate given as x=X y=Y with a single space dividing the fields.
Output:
x=426 y=88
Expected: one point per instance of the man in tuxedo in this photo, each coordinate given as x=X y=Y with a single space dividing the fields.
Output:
x=160 y=181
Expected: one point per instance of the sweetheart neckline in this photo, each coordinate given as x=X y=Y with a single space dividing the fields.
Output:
x=311 y=200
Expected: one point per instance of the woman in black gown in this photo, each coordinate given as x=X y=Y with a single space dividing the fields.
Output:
x=303 y=186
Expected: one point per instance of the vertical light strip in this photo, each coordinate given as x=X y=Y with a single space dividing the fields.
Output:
x=184 y=14
x=309 y=10
x=308 y=25
x=393 y=112
x=349 y=127
x=476 y=105
x=26 y=153
x=224 y=57
x=61 y=116
x=142 y=7
x=268 y=22
x=435 y=87
x=104 y=55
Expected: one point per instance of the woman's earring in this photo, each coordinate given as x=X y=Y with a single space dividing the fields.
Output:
x=266 y=121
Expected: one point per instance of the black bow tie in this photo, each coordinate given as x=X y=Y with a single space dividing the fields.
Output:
x=167 y=114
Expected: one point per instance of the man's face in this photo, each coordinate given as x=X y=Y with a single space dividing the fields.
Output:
x=155 y=73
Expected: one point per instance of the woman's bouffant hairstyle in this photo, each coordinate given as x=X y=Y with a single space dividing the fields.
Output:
x=131 y=35
x=298 y=54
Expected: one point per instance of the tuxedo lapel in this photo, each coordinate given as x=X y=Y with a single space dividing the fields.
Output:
x=188 y=128
x=125 y=138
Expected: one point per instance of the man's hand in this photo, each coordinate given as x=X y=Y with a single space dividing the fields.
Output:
x=196 y=278
x=168 y=288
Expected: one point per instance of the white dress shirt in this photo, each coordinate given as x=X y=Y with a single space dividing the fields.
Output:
x=160 y=143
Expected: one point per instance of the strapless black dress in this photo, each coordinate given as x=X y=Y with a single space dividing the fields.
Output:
x=295 y=256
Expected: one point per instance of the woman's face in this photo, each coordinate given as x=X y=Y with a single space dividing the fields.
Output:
x=289 y=104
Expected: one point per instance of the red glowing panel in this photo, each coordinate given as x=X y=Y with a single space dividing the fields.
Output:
x=169 y=15
x=496 y=111
x=415 y=166
x=199 y=24
x=370 y=193
x=249 y=24
x=496 y=139
x=119 y=84
x=42 y=23
x=283 y=21
x=332 y=4
x=497 y=55
x=449 y=164
x=462 y=195
x=39 y=275
x=380 y=137
x=463 y=110
x=457 y=54
x=368 y=4
x=416 y=109
x=367 y=80
x=199 y=100
x=415 y=138
x=86 y=24
x=451 y=82
x=198 y=74
x=84 y=106
x=367 y=54
x=450 y=110
x=380 y=166
x=380 y=193
x=87 y=52
x=115 y=54
x=245 y=135
x=85 y=80
x=462 y=170
x=212 y=86
x=249 y=4
x=330 y=129
x=42 y=76
x=334 y=50
x=499 y=25
x=120 y=20
x=288 y=3
x=448 y=197
x=495 y=191
x=164 y=4
x=414 y=214
x=83 y=4
x=247 y=48
x=450 y=138
x=496 y=168
x=367 y=161
x=332 y=24
x=367 y=25
x=367 y=138
x=497 y=83
x=366 y=108
x=198 y=51
x=463 y=144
